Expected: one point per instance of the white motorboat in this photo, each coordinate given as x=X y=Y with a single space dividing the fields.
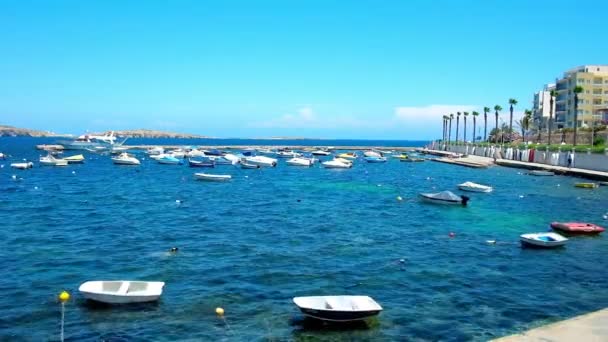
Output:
x=2 y=156
x=195 y=153
x=75 y=159
x=543 y=240
x=337 y=163
x=168 y=159
x=376 y=154
x=49 y=160
x=445 y=197
x=474 y=187
x=155 y=150
x=320 y=153
x=212 y=178
x=234 y=159
x=177 y=153
x=288 y=154
x=22 y=166
x=246 y=165
x=262 y=161
x=297 y=161
x=541 y=173
x=122 y=291
x=338 y=308
x=125 y=159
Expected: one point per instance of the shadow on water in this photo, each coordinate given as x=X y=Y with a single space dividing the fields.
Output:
x=131 y=307
x=303 y=323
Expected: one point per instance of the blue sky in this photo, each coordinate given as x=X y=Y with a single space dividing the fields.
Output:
x=330 y=69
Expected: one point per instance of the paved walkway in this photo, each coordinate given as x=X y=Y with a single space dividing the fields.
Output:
x=584 y=173
x=591 y=327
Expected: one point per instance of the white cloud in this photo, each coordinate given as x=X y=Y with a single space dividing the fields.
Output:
x=429 y=114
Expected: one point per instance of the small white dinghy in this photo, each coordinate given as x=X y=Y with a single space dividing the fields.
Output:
x=212 y=178
x=338 y=308
x=541 y=173
x=543 y=240
x=22 y=166
x=122 y=291
x=298 y=161
x=474 y=187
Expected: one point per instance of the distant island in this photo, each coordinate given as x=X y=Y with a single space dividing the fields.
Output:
x=10 y=131
x=149 y=133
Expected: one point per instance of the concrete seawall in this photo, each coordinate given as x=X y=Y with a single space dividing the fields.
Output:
x=591 y=327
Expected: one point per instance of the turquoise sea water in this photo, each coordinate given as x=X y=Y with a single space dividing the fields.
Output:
x=252 y=244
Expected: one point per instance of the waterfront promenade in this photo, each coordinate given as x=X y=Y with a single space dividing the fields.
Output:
x=485 y=161
x=590 y=327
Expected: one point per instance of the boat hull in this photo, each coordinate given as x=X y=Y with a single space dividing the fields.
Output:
x=543 y=240
x=339 y=316
x=574 y=228
x=117 y=299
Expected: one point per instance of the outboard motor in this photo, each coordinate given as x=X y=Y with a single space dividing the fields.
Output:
x=465 y=200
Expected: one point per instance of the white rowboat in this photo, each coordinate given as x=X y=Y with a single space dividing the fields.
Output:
x=338 y=308
x=212 y=178
x=474 y=187
x=122 y=291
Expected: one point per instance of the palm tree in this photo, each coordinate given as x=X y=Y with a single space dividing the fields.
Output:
x=577 y=90
x=524 y=123
x=450 y=129
x=497 y=109
x=457 y=124
x=552 y=94
x=486 y=110
x=512 y=102
x=465 y=126
x=475 y=114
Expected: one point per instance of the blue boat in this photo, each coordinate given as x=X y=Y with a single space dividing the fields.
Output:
x=200 y=163
x=375 y=159
x=169 y=160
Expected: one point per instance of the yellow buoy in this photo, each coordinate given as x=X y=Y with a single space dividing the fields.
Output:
x=219 y=311
x=64 y=296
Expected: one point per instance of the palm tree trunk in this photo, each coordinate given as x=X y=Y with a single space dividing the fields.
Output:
x=457 y=126
x=511 y=123
x=485 y=126
x=465 y=130
x=450 y=131
x=474 y=125
x=496 y=131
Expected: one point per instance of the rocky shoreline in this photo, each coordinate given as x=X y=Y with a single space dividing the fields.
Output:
x=10 y=131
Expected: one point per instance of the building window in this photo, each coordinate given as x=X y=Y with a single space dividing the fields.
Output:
x=580 y=80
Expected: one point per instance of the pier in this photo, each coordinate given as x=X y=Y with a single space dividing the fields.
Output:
x=570 y=171
x=589 y=327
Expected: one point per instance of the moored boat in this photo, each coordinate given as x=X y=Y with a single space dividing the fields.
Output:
x=75 y=159
x=541 y=173
x=347 y=155
x=445 y=197
x=337 y=163
x=246 y=165
x=261 y=161
x=586 y=185
x=474 y=187
x=543 y=240
x=338 y=308
x=122 y=291
x=320 y=153
x=200 y=163
x=125 y=159
x=49 y=160
x=22 y=166
x=577 y=228
x=168 y=159
x=299 y=161
x=212 y=178
x=375 y=159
